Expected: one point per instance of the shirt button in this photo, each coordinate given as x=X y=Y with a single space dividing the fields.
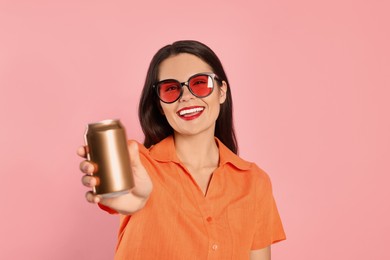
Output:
x=209 y=219
x=214 y=247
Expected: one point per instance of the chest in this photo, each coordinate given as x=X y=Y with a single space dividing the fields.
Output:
x=219 y=224
x=201 y=177
x=211 y=190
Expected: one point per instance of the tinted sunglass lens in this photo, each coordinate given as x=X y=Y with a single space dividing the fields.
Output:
x=169 y=91
x=201 y=85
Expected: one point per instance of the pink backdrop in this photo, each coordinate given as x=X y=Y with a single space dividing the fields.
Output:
x=311 y=86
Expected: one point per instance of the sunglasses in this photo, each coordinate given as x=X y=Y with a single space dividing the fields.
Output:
x=200 y=85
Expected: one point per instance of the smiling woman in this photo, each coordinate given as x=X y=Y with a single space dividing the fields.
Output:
x=194 y=197
x=191 y=114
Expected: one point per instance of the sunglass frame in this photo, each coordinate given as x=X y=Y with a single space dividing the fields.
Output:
x=213 y=77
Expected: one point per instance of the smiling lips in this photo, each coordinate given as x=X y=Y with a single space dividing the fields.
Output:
x=189 y=113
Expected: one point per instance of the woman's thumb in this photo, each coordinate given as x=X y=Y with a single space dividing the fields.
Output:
x=133 y=153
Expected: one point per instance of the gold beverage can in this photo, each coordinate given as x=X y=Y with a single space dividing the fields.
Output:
x=107 y=149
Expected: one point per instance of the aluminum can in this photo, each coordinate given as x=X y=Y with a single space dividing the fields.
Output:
x=107 y=149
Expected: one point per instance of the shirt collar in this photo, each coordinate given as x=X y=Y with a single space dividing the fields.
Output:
x=165 y=151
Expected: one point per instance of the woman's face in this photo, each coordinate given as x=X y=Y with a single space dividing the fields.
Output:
x=190 y=115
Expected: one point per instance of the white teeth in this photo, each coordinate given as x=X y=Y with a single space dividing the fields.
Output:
x=189 y=111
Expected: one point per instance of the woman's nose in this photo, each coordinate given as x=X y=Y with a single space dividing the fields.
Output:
x=187 y=95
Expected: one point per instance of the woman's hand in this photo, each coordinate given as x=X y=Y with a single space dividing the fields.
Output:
x=125 y=204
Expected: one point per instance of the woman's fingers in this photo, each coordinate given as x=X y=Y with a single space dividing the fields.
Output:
x=92 y=198
x=82 y=151
x=89 y=181
x=87 y=167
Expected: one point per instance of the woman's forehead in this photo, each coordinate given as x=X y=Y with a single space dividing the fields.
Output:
x=181 y=67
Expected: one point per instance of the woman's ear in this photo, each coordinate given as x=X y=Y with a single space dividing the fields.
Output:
x=222 y=91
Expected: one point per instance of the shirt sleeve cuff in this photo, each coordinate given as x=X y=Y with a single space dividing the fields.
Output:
x=107 y=209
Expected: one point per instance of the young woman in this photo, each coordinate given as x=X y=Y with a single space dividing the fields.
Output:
x=194 y=198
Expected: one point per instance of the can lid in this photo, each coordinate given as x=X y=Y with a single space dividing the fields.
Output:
x=105 y=124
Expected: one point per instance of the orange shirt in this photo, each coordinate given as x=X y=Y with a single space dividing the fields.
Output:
x=237 y=215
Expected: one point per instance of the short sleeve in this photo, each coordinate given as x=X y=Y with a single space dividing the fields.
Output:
x=107 y=209
x=269 y=228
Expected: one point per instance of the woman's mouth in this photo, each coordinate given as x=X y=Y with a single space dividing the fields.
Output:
x=189 y=113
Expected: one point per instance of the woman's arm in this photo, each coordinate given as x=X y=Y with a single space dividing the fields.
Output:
x=261 y=254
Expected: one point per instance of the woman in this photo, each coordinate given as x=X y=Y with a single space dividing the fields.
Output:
x=194 y=198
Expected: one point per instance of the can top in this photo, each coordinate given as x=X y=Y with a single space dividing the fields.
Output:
x=105 y=124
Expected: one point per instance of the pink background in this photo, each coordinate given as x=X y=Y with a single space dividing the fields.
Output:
x=310 y=81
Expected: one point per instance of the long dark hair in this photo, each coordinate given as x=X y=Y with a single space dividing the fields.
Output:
x=154 y=125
